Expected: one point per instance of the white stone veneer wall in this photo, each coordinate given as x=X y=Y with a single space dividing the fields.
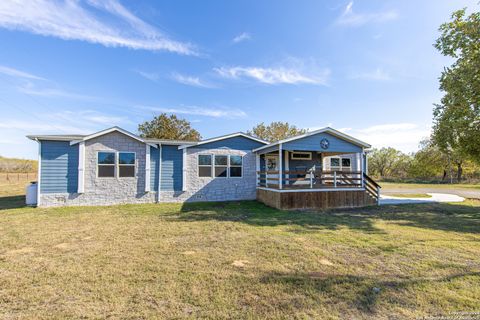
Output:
x=107 y=191
x=215 y=189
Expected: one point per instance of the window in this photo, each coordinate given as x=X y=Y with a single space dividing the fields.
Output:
x=204 y=165
x=301 y=156
x=106 y=164
x=340 y=163
x=346 y=162
x=334 y=162
x=221 y=163
x=126 y=164
x=236 y=166
x=220 y=166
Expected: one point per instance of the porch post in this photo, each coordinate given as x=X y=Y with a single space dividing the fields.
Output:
x=280 y=167
x=287 y=166
x=257 y=168
x=366 y=163
x=358 y=157
x=362 y=157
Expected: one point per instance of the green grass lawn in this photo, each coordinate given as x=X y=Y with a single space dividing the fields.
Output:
x=238 y=260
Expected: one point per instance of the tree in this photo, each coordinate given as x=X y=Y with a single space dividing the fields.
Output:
x=429 y=162
x=456 y=129
x=275 y=131
x=388 y=163
x=168 y=127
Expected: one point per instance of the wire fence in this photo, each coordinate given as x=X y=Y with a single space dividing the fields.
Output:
x=16 y=177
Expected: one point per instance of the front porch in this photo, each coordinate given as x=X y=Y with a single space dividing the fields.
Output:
x=315 y=171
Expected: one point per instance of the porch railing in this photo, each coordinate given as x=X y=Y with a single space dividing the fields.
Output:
x=310 y=179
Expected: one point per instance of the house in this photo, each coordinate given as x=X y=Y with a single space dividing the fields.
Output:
x=323 y=168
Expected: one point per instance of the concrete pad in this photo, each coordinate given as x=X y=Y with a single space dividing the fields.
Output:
x=435 y=197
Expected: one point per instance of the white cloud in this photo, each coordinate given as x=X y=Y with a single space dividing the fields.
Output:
x=35 y=90
x=18 y=74
x=102 y=22
x=31 y=84
x=244 y=36
x=39 y=126
x=402 y=136
x=191 y=81
x=280 y=75
x=91 y=116
x=377 y=75
x=147 y=75
x=353 y=19
x=200 y=111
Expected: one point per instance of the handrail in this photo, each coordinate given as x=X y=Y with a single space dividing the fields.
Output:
x=372 y=187
x=371 y=180
x=308 y=172
x=313 y=179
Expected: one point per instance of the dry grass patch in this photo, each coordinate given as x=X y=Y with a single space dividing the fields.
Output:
x=238 y=260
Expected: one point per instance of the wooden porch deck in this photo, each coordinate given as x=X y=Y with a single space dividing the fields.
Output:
x=316 y=190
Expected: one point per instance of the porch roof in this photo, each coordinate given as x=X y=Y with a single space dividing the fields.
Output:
x=311 y=144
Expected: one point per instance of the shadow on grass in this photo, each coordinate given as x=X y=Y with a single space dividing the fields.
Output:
x=258 y=214
x=360 y=292
x=12 y=202
x=436 y=216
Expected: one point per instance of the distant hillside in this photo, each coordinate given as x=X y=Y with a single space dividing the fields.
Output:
x=17 y=165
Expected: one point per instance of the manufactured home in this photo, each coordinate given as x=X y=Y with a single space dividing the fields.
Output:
x=320 y=169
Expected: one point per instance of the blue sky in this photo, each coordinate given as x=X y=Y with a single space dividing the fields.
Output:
x=367 y=68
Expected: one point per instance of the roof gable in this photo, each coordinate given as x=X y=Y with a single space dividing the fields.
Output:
x=225 y=137
x=106 y=131
x=327 y=130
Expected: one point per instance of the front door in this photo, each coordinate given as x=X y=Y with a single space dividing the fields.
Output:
x=271 y=163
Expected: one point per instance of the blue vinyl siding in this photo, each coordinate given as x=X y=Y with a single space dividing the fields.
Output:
x=172 y=166
x=154 y=154
x=59 y=167
x=312 y=143
x=237 y=143
x=305 y=164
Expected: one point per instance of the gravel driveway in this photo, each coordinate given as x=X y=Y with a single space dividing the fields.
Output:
x=434 y=197
x=469 y=194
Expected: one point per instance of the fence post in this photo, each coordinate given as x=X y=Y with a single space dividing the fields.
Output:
x=334 y=179
x=311 y=179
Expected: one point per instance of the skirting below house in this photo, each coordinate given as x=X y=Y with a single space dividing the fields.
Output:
x=106 y=199
x=94 y=199
x=315 y=199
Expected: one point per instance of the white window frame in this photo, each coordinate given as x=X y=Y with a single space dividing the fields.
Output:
x=212 y=166
x=204 y=165
x=227 y=166
x=114 y=164
x=235 y=166
x=341 y=166
x=134 y=165
x=293 y=157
